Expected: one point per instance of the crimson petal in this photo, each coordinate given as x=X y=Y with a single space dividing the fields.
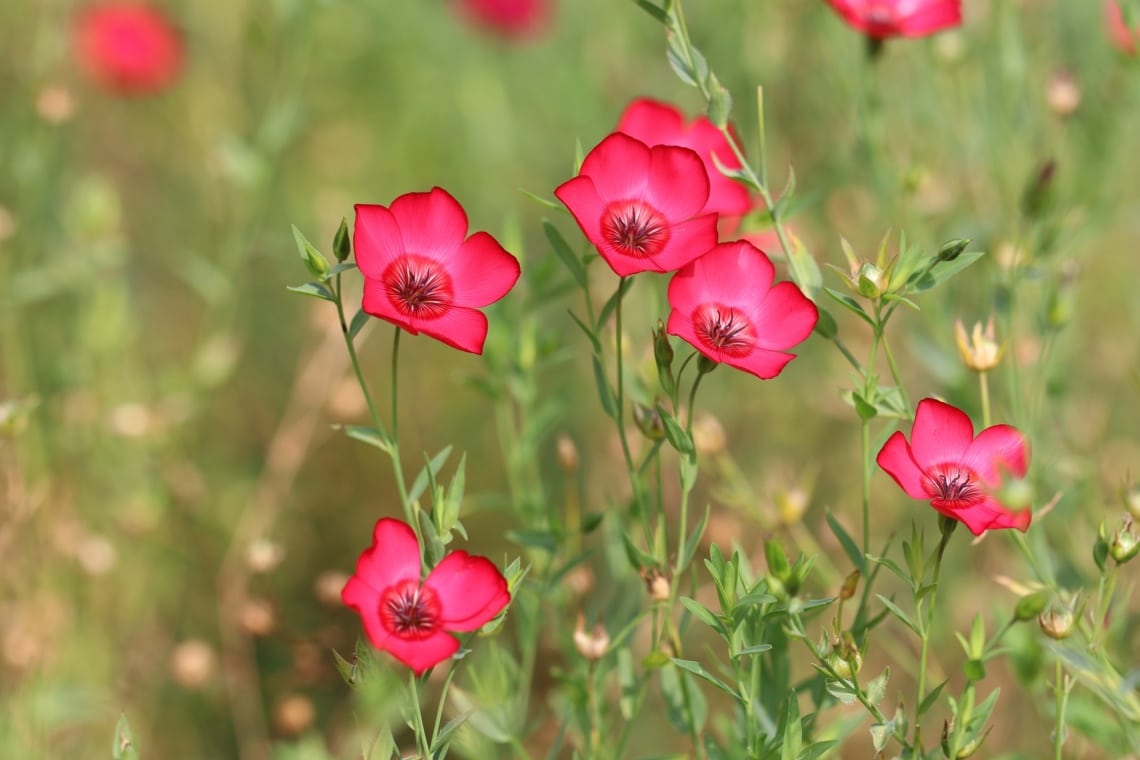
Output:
x=471 y=591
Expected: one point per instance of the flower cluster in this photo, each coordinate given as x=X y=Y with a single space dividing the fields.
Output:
x=650 y=198
x=127 y=49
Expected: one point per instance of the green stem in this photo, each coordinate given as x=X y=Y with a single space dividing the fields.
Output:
x=418 y=719
x=984 y=388
x=356 y=361
x=442 y=702
x=895 y=373
x=865 y=448
x=1062 y=693
x=395 y=382
x=942 y=543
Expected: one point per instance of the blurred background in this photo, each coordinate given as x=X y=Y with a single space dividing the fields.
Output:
x=177 y=512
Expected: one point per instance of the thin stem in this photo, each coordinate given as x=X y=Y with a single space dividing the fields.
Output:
x=356 y=361
x=895 y=373
x=418 y=719
x=944 y=540
x=1062 y=694
x=442 y=702
x=865 y=448
x=984 y=388
x=395 y=382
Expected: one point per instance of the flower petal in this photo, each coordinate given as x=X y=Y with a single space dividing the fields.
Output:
x=687 y=241
x=652 y=122
x=482 y=272
x=581 y=197
x=377 y=303
x=432 y=224
x=366 y=601
x=471 y=591
x=761 y=362
x=458 y=327
x=393 y=557
x=929 y=17
x=941 y=433
x=421 y=654
x=733 y=274
x=376 y=239
x=997 y=451
x=619 y=167
x=896 y=459
x=678 y=183
x=784 y=318
x=989 y=514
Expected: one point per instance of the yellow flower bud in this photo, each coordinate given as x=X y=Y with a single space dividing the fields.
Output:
x=979 y=351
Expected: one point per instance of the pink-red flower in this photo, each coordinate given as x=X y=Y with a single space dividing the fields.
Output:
x=409 y=618
x=512 y=19
x=642 y=206
x=656 y=123
x=908 y=18
x=726 y=306
x=422 y=272
x=127 y=48
x=959 y=474
x=1123 y=38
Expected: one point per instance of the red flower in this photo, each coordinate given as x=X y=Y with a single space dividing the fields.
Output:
x=725 y=305
x=128 y=49
x=1123 y=38
x=656 y=123
x=421 y=274
x=909 y=18
x=409 y=619
x=513 y=19
x=639 y=206
x=957 y=472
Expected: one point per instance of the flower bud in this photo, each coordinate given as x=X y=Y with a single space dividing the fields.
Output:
x=1125 y=544
x=1056 y=622
x=593 y=645
x=706 y=365
x=649 y=422
x=1132 y=502
x=777 y=560
x=567 y=454
x=342 y=244
x=952 y=249
x=663 y=357
x=657 y=584
x=1063 y=93
x=869 y=281
x=1059 y=305
x=845 y=658
x=1038 y=194
x=979 y=351
x=1030 y=606
x=850 y=585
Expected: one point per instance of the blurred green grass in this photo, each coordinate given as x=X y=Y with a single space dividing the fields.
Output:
x=151 y=250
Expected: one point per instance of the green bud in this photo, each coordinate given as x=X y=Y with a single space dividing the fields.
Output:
x=1056 y=622
x=342 y=244
x=952 y=249
x=663 y=356
x=1029 y=607
x=1125 y=544
x=1038 y=194
x=850 y=584
x=706 y=365
x=649 y=422
x=777 y=560
x=870 y=281
x=314 y=261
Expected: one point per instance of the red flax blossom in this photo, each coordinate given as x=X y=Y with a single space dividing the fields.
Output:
x=1123 y=38
x=641 y=206
x=907 y=18
x=512 y=19
x=655 y=123
x=958 y=473
x=422 y=272
x=128 y=49
x=725 y=305
x=409 y=618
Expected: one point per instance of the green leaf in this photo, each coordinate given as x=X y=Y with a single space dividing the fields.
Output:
x=369 y=435
x=124 y=746
x=654 y=11
x=562 y=249
x=693 y=540
x=698 y=670
x=674 y=433
x=850 y=304
x=793 y=730
x=877 y=687
x=850 y=548
x=931 y=698
x=349 y=671
x=359 y=320
x=754 y=649
x=881 y=733
x=942 y=272
x=314 y=289
x=689 y=65
x=899 y=614
x=589 y=332
x=605 y=393
x=627 y=682
x=612 y=302
x=702 y=613
x=893 y=566
x=428 y=473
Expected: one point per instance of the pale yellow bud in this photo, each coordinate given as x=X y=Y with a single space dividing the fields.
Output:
x=979 y=351
x=592 y=645
x=1063 y=93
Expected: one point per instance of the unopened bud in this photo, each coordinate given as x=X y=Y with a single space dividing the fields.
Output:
x=791 y=505
x=1060 y=305
x=706 y=365
x=979 y=351
x=342 y=244
x=1125 y=544
x=952 y=249
x=1063 y=93
x=1056 y=622
x=845 y=658
x=592 y=645
x=777 y=560
x=1039 y=191
x=1029 y=607
x=649 y=422
x=657 y=584
x=1132 y=502
x=850 y=585
x=663 y=357
x=567 y=454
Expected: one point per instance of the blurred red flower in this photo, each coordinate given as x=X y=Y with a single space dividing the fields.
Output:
x=422 y=272
x=409 y=619
x=656 y=123
x=1122 y=38
x=641 y=207
x=725 y=305
x=128 y=49
x=958 y=473
x=513 y=19
x=908 y=18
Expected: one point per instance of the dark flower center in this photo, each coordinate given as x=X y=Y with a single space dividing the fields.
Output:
x=418 y=286
x=409 y=610
x=634 y=228
x=953 y=486
x=724 y=329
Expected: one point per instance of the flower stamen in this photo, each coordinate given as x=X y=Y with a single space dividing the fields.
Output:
x=724 y=329
x=419 y=287
x=953 y=486
x=410 y=611
x=634 y=228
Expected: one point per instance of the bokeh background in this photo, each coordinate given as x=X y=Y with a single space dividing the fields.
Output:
x=177 y=511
